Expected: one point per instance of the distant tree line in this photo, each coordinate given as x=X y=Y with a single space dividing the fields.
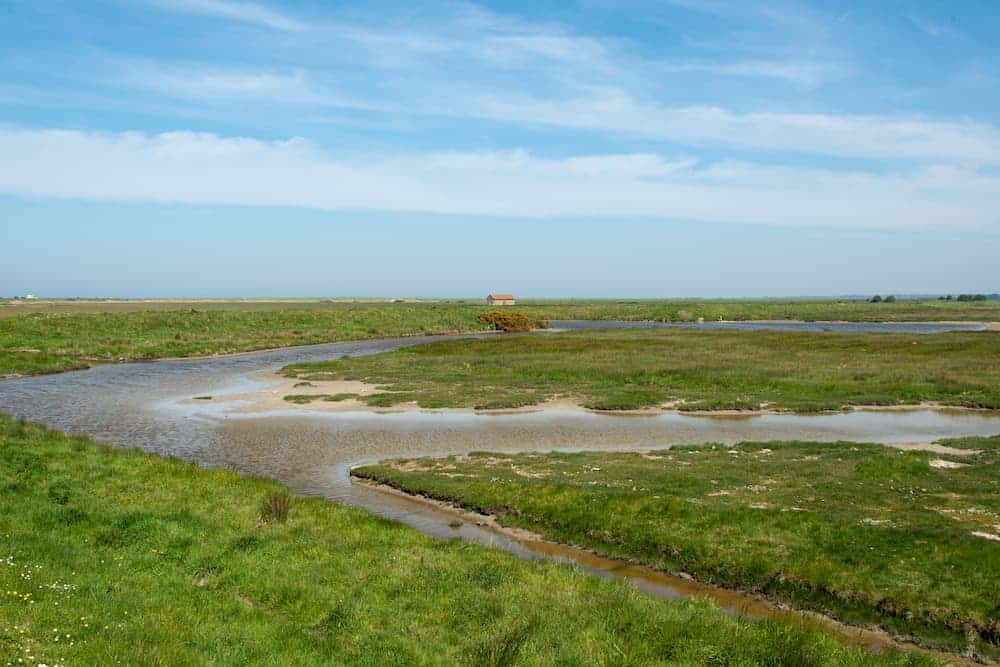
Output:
x=964 y=297
x=961 y=297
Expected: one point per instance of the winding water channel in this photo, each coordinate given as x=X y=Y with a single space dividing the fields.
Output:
x=152 y=406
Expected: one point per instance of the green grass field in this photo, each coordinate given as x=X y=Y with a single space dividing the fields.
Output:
x=625 y=369
x=662 y=310
x=761 y=309
x=52 y=336
x=112 y=556
x=45 y=342
x=865 y=533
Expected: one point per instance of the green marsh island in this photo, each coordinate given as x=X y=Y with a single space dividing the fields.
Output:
x=686 y=369
x=907 y=540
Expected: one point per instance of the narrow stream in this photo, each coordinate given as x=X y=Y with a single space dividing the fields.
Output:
x=151 y=406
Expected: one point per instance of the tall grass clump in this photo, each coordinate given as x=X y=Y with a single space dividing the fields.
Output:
x=275 y=507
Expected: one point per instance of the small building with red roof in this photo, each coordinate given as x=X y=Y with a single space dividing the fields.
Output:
x=497 y=299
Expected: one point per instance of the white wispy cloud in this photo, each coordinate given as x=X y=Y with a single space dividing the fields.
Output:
x=220 y=86
x=610 y=110
x=244 y=12
x=210 y=83
x=862 y=136
x=805 y=74
x=932 y=28
x=477 y=34
x=784 y=14
x=202 y=168
x=460 y=67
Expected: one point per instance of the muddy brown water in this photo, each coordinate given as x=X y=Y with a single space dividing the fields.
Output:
x=149 y=405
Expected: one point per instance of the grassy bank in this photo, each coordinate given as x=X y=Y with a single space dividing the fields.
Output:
x=115 y=557
x=864 y=533
x=48 y=342
x=704 y=369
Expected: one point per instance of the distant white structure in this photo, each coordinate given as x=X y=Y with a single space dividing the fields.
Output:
x=500 y=299
x=30 y=296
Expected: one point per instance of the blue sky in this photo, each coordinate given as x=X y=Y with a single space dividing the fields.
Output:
x=677 y=148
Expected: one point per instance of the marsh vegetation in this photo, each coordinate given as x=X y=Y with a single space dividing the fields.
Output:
x=48 y=342
x=687 y=369
x=909 y=540
x=52 y=336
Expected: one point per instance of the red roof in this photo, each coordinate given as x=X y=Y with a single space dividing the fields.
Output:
x=502 y=297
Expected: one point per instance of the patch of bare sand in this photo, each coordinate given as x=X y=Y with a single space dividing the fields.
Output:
x=410 y=466
x=487 y=460
x=521 y=472
x=946 y=465
x=272 y=397
x=494 y=461
x=986 y=536
x=868 y=521
x=933 y=448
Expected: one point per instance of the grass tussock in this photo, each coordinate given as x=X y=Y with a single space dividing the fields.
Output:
x=694 y=370
x=869 y=534
x=275 y=507
x=111 y=556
